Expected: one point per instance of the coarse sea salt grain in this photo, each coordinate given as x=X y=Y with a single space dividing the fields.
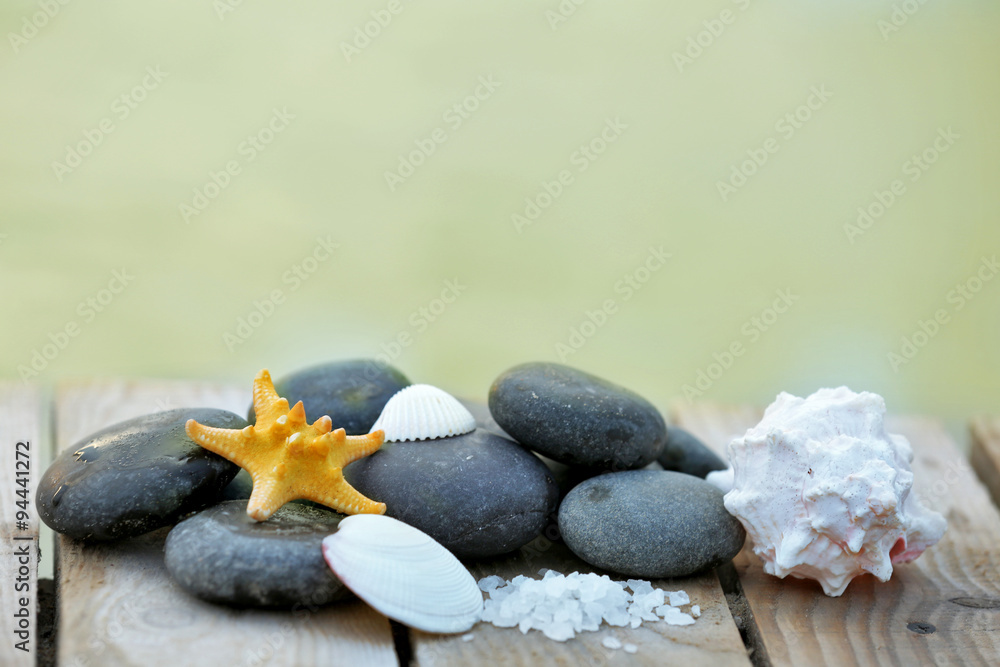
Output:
x=562 y=605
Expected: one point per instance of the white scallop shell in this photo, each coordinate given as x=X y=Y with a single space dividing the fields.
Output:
x=403 y=573
x=423 y=412
x=824 y=491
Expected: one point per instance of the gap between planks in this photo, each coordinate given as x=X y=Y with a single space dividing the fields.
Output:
x=118 y=606
x=954 y=586
x=985 y=453
x=20 y=440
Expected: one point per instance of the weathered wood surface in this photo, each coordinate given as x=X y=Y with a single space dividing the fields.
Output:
x=954 y=586
x=118 y=605
x=985 y=453
x=712 y=640
x=20 y=414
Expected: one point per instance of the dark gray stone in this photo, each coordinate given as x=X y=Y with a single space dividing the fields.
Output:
x=484 y=420
x=649 y=524
x=135 y=476
x=352 y=393
x=576 y=418
x=222 y=555
x=240 y=488
x=569 y=477
x=478 y=494
x=686 y=453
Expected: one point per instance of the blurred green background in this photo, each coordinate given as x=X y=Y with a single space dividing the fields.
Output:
x=619 y=122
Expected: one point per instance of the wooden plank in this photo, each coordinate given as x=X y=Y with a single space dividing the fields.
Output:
x=118 y=605
x=954 y=586
x=20 y=441
x=985 y=453
x=712 y=640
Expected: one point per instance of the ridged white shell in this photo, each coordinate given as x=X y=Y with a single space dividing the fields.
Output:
x=403 y=573
x=423 y=412
x=824 y=491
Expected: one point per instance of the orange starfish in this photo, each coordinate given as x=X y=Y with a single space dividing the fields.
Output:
x=289 y=459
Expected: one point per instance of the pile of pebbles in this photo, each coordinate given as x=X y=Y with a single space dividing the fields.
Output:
x=625 y=513
x=555 y=444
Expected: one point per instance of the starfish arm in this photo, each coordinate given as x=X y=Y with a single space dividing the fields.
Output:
x=267 y=405
x=347 y=449
x=365 y=445
x=267 y=497
x=227 y=443
x=343 y=497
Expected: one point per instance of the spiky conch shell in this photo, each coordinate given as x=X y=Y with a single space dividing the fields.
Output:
x=423 y=412
x=825 y=493
x=403 y=573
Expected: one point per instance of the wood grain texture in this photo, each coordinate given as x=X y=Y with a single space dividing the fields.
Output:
x=985 y=453
x=20 y=422
x=118 y=605
x=954 y=586
x=712 y=640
